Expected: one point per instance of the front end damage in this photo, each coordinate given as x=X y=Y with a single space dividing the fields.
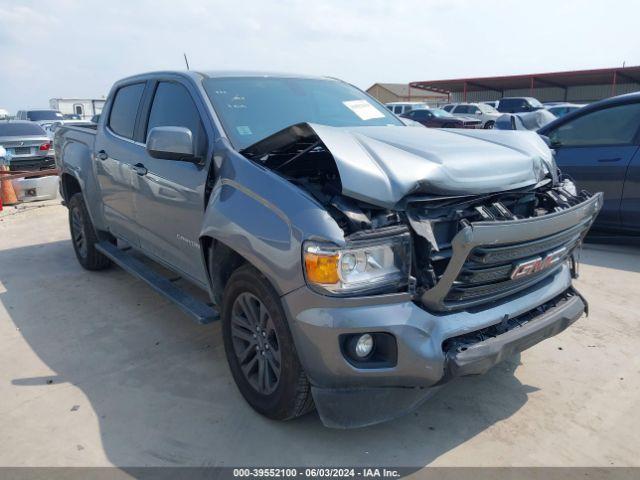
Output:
x=489 y=273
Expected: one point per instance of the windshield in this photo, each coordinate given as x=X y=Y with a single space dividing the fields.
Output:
x=15 y=129
x=487 y=108
x=438 y=112
x=535 y=103
x=253 y=108
x=37 y=115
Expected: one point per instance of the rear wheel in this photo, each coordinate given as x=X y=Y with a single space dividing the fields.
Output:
x=490 y=124
x=83 y=236
x=260 y=350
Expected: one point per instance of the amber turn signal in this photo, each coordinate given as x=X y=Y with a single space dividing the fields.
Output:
x=321 y=268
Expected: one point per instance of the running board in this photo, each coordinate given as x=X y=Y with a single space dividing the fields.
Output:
x=200 y=311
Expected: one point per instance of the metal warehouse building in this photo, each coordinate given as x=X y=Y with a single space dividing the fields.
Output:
x=400 y=92
x=580 y=86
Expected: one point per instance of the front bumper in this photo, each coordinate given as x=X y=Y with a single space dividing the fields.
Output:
x=359 y=407
x=478 y=357
x=347 y=396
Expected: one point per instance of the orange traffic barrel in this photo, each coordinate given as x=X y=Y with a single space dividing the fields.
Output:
x=8 y=193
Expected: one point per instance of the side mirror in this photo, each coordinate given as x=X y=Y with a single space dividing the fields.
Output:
x=171 y=143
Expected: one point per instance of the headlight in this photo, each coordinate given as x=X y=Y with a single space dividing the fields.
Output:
x=362 y=266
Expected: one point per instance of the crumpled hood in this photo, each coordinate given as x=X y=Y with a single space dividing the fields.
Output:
x=381 y=165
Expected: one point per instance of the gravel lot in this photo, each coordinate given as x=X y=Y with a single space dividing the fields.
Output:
x=97 y=369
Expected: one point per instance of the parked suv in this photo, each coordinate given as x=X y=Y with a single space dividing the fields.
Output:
x=480 y=111
x=357 y=264
x=519 y=104
x=39 y=116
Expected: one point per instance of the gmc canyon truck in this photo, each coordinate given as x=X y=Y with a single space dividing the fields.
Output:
x=357 y=263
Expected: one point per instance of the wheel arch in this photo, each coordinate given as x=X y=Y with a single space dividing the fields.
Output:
x=69 y=185
x=220 y=262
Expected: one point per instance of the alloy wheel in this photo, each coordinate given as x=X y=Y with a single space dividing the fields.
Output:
x=77 y=232
x=255 y=343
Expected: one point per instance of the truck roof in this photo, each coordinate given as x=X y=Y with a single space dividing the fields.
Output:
x=199 y=74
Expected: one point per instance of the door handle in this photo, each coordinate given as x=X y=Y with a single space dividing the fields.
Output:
x=140 y=169
x=609 y=160
x=102 y=155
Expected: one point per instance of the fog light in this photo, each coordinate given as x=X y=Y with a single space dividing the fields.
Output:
x=364 y=345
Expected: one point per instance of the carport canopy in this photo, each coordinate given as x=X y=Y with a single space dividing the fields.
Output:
x=564 y=80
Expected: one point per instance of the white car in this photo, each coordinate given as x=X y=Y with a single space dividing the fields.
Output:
x=403 y=107
x=481 y=111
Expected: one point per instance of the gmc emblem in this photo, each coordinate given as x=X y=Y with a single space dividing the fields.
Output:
x=537 y=264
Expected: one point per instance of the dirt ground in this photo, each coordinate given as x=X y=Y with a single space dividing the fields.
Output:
x=96 y=369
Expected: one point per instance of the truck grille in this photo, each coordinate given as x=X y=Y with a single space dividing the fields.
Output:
x=487 y=261
x=488 y=270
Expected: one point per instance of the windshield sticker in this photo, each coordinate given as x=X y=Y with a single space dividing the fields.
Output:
x=363 y=109
x=244 y=130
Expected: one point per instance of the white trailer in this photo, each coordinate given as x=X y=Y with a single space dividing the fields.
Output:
x=85 y=107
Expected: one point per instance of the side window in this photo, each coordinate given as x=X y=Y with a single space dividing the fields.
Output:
x=472 y=109
x=609 y=126
x=397 y=109
x=420 y=115
x=125 y=108
x=461 y=109
x=173 y=107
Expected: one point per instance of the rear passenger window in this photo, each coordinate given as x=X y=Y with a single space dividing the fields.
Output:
x=122 y=119
x=174 y=107
x=461 y=109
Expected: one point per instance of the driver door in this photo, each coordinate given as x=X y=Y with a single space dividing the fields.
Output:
x=169 y=194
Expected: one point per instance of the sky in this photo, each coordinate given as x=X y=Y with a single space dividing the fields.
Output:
x=78 y=48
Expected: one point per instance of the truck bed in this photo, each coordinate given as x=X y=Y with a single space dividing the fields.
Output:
x=77 y=143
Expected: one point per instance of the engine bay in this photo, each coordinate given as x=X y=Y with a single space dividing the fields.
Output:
x=298 y=155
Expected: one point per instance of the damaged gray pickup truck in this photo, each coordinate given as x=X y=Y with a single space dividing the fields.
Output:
x=357 y=263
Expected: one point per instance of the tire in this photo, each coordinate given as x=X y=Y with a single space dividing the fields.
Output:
x=489 y=125
x=83 y=236
x=257 y=340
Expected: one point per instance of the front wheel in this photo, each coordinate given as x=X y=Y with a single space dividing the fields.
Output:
x=260 y=350
x=83 y=236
